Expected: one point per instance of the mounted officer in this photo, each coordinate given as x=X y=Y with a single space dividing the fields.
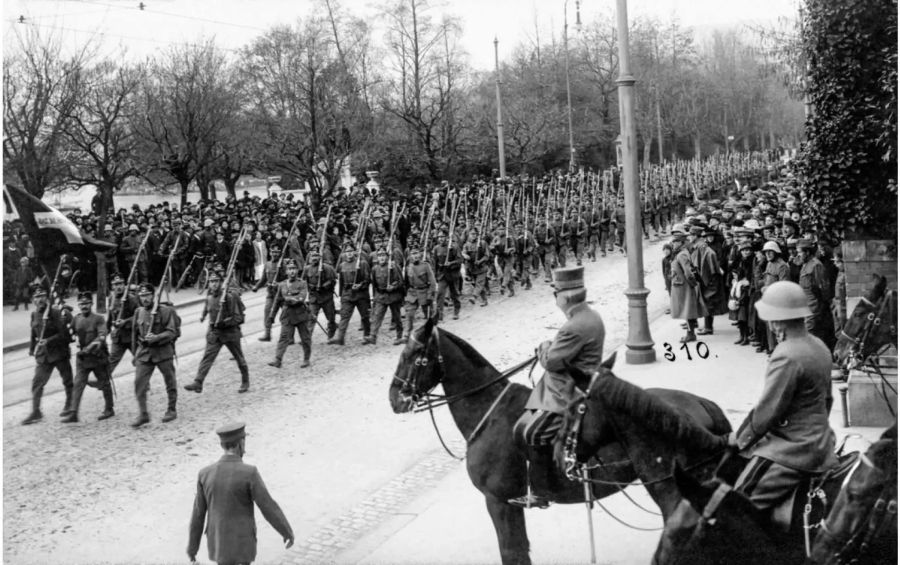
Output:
x=578 y=344
x=787 y=435
x=226 y=314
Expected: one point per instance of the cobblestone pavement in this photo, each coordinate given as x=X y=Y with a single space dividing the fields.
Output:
x=329 y=447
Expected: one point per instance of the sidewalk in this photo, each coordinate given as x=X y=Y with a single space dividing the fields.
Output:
x=16 y=323
x=449 y=524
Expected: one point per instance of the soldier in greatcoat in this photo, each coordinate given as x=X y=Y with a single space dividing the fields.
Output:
x=92 y=357
x=815 y=285
x=50 y=339
x=225 y=311
x=685 y=301
x=292 y=298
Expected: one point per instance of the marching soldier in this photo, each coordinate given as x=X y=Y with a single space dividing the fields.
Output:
x=449 y=263
x=545 y=236
x=292 y=296
x=92 y=357
x=320 y=278
x=387 y=284
x=504 y=249
x=50 y=340
x=154 y=334
x=420 y=287
x=477 y=256
x=226 y=314
x=119 y=322
x=272 y=275
x=354 y=277
x=524 y=243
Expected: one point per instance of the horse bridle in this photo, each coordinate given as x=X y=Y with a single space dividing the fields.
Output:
x=421 y=363
x=873 y=321
x=878 y=517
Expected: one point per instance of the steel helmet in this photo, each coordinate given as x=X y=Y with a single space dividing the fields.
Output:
x=783 y=300
x=772 y=246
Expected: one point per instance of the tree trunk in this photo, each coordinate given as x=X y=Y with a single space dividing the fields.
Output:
x=659 y=131
x=647 y=144
x=184 y=183
x=230 y=186
x=106 y=189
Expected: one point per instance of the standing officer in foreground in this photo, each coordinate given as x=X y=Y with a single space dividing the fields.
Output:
x=92 y=356
x=226 y=314
x=578 y=344
x=154 y=334
x=292 y=297
x=226 y=491
x=50 y=340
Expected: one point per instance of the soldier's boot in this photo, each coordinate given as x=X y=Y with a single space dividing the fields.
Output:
x=275 y=363
x=196 y=386
x=245 y=378
x=108 y=411
x=307 y=353
x=542 y=478
x=267 y=335
x=74 y=405
x=370 y=340
x=143 y=418
x=171 y=413
x=68 y=407
x=338 y=339
x=332 y=327
x=512 y=288
x=456 y=312
x=35 y=415
x=400 y=339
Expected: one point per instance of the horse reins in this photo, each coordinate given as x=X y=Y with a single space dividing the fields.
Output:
x=429 y=401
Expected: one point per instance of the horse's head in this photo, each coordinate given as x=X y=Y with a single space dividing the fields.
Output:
x=872 y=324
x=864 y=511
x=585 y=426
x=419 y=369
x=711 y=524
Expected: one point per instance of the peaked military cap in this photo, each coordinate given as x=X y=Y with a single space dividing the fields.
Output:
x=231 y=431
x=568 y=278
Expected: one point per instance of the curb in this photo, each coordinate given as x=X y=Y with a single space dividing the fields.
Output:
x=24 y=344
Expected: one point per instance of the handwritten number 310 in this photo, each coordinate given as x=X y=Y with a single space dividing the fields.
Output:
x=702 y=351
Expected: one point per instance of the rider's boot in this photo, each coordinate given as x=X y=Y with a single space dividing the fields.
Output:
x=542 y=476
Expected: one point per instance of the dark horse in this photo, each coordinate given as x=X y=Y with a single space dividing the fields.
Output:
x=862 y=525
x=485 y=405
x=654 y=435
x=715 y=524
x=871 y=325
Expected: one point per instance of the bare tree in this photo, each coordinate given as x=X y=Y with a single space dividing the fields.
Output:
x=41 y=87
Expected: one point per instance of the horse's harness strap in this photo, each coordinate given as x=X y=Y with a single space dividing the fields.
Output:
x=712 y=505
x=487 y=414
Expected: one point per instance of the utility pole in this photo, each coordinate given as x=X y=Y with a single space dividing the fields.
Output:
x=500 y=152
x=639 y=343
x=568 y=86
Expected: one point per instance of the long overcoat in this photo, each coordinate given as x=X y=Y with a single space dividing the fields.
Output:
x=685 y=301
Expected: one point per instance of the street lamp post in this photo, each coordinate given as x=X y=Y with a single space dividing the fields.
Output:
x=500 y=152
x=568 y=86
x=639 y=343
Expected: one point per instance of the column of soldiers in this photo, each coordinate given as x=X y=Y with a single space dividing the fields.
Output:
x=423 y=257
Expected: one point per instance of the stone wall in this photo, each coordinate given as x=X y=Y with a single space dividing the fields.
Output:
x=864 y=258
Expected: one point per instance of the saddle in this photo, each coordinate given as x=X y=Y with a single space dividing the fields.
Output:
x=801 y=509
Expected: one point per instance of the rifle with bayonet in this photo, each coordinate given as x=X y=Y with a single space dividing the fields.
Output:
x=154 y=311
x=229 y=272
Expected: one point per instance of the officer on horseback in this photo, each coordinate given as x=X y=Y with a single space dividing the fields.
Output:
x=578 y=345
x=787 y=435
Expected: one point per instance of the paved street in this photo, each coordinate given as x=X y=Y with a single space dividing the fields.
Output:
x=357 y=482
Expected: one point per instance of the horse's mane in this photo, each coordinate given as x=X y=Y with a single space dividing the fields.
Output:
x=883 y=454
x=878 y=287
x=653 y=413
x=470 y=352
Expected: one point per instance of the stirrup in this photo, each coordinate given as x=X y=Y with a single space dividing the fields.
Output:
x=530 y=500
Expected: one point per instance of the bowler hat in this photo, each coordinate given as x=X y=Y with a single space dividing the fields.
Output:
x=231 y=431
x=568 y=278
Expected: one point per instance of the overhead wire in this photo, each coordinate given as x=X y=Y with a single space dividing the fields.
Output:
x=141 y=7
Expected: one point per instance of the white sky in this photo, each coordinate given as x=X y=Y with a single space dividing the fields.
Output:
x=237 y=22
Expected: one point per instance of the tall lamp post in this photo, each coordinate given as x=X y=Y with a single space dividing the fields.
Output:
x=500 y=152
x=568 y=86
x=639 y=343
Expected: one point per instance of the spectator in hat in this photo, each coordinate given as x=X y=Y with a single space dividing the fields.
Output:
x=226 y=494
x=22 y=280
